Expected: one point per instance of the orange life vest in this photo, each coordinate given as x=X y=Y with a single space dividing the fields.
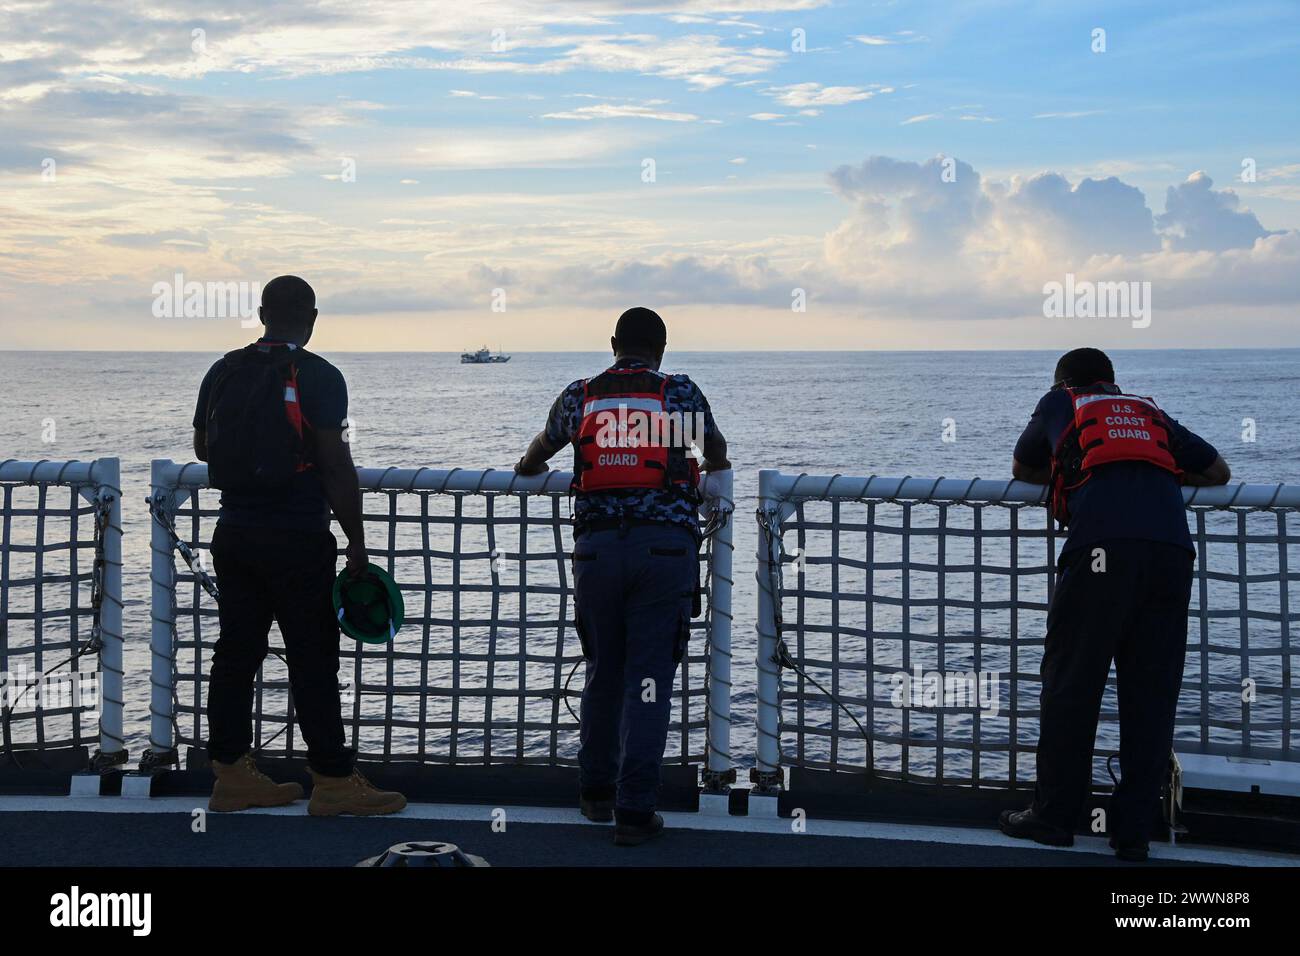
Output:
x=1108 y=427
x=627 y=440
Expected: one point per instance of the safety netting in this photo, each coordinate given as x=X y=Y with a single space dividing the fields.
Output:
x=52 y=594
x=487 y=668
x=926 y=620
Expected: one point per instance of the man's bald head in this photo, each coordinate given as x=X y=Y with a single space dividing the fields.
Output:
x=640 y=332
x=288 y=308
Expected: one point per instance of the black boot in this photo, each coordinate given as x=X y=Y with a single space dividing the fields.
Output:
x=1028 y=825
x=633 y=829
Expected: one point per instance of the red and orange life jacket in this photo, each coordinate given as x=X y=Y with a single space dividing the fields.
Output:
x=1108 y=427
x=626 y=439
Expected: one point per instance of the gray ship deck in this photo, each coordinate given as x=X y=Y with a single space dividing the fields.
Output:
x=135 y=832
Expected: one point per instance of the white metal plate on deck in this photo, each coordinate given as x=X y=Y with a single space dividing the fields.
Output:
x=84 y=785
x=1240 y=774
x=137 y=785
x=715 y=804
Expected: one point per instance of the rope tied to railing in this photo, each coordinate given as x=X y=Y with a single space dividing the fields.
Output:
x=192 y=560
x=106 y=496
x=772 y=537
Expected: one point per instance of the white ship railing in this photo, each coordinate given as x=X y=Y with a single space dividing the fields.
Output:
x=863 y=579
x=484 y=669
x=60 y=605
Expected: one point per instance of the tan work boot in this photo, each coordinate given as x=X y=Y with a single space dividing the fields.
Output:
x=331 y=796
x=241 y=785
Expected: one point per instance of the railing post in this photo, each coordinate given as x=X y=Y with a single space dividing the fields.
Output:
x=112 y=745
x=162 y=649
x=767 y=772
x=719 y=771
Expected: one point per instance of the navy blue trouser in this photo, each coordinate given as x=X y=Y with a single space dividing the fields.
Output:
x=1134 y=613
x=633 y=588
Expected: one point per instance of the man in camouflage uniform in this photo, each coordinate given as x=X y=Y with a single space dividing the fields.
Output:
x=635 y=575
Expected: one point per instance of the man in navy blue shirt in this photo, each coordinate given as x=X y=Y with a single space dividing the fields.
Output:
x=1115 y=462
x=635 y=559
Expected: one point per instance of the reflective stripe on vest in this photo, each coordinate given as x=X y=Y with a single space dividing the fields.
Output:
x=625 y=438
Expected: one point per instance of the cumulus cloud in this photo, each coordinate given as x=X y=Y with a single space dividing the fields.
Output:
x=1092 y=217
x=1199 y=217
x=959 y=246
x=903 y=208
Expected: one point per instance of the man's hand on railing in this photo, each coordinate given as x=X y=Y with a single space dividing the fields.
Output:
x=1217 y=474
x=526 y=468
x=1032 y=474
x=535 y=458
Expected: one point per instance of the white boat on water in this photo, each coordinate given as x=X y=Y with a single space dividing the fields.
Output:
x=483 y=356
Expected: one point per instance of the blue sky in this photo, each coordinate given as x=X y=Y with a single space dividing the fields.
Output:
x=500 y=149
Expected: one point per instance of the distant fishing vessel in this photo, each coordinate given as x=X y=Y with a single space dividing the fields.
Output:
x=483 y=356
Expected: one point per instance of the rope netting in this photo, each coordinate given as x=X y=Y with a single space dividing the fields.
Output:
x=50 y=595
x=926 y=620
x=487 y=668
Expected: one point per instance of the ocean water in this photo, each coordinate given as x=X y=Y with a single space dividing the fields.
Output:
x=856 y=413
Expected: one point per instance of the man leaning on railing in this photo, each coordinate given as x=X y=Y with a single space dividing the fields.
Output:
x=635 y=559
x=1113 y=462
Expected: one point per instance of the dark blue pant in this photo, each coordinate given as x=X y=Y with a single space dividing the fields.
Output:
x=633 y=588
x=1135 y=613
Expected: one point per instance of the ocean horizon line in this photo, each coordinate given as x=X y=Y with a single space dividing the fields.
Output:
x=672 y=351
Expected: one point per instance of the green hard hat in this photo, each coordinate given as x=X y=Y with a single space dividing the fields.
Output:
x=369 y=608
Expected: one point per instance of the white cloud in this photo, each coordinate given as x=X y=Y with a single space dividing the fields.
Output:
x=48 y=41
x=1071 y=115
x=1199 y=217
x=971 y=248
x=902 y=36
x=1290 y=171
x=487 y=149
x=702 y=61
x=800 y=95
x=622 y=111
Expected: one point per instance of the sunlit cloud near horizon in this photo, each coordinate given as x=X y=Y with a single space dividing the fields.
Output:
x=766 y=174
